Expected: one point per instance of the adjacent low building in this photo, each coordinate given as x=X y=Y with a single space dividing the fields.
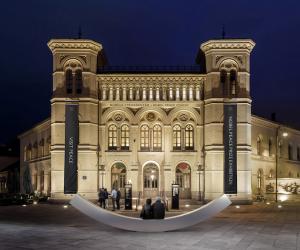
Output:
x=152 y=127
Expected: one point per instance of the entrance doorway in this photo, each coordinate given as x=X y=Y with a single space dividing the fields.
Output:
x=151 y=180
x=183 y=179
x=118 y=177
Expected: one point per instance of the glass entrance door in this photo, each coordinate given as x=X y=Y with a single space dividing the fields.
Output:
x=151 y=181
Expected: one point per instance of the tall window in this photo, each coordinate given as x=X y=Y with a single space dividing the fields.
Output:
x=259 y=180
x=223 y=77
x=290 y=152
x=258 y=146
x=176 y=137
x=157 y=138
x=270 y=148
x=125 y=137
x=145 y=135
x=69 y=81
x=189 y=137
x=78 y=81
x=112 y=137
x=41 y=148
x=298 y=153
x=232 y=82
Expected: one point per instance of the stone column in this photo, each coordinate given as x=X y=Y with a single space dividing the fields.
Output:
x=170 y=93
x=150 y=93
x=157 y=94
x=124 y=94
x=191 y=98
x=118 y=93
x=164 y=96
x=197 y=93
x=104 y=93
x=144 y=94
x=184 y=93
x=130 y=94
x=177 y=93
x=137 y=94
x=111 y=93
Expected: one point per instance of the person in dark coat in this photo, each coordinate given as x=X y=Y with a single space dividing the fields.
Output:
x=101 y=197
x=158 y=209
x=105 y=193
x=118 y=199
x=146 y=212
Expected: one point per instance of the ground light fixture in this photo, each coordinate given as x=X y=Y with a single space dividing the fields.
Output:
x=279 y=206
x=268 y=203
x=24 y=205
x=65 y=206
x=187 y=205
x=35 y=203
x=237 y=206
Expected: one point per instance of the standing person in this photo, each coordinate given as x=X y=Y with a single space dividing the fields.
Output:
x=147 y=212
x=118 y=199
x=113 y=198
x=105 y=195
x=158 y=209
x=102 y=198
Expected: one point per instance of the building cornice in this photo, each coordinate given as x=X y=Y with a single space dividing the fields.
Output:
x=234 y=44
x=58 y=44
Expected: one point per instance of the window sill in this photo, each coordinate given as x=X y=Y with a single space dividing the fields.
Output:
x=116 y=150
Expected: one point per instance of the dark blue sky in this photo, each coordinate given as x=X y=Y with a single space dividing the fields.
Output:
x=146 y=32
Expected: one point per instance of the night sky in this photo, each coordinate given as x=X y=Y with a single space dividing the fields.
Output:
x=153 y=32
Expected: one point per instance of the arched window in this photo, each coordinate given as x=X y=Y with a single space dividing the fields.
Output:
x=223 y=78
x=35 y=150
x=157 y=136
x=29 y=153
x=78 y=81
x=69 y=81
x=145 y=144
x=41 y=152
x=176 y=137
x=270 y=148
x=233 y=82
x=189 y=137
x=258 y=146
x=112 y=137
x=125 y=137
x=290 y=152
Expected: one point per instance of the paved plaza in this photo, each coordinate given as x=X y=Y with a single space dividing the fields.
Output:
x=44 y=226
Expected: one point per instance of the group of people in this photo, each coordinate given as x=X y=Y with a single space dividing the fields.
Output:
x=149 y=211
x=154 y=211
x=103 y=196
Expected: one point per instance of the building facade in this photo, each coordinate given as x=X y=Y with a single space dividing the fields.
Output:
x=152 y=129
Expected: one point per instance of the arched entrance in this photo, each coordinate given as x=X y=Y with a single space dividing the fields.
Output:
x=118 y=176
x=151 y=180
x=183 y=178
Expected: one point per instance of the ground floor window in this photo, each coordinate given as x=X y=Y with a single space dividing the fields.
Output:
x=118 y=175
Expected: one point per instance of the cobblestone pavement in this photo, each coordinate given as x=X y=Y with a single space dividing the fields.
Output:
x=44 y=226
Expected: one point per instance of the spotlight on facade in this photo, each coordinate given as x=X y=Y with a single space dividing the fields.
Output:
x=268 y=203
x=279 y=206
x=237 y=206
x=35 y=203
x=285 y=134
x=140 y=207
x=65 y=206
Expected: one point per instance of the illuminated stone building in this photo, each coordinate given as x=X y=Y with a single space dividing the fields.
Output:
x=153 y=128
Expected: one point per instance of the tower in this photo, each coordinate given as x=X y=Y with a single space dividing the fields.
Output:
x=227 y=87
x=74 y=83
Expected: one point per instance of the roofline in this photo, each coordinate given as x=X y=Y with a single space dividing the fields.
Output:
x=44 y=122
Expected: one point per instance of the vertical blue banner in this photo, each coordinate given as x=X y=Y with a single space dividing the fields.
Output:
x=71 y=142
x=230 y=149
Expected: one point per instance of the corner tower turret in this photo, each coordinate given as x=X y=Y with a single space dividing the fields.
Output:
x=227 y=85
x=74 y=89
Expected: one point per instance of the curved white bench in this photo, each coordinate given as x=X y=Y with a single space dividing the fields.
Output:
x=140 y=225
